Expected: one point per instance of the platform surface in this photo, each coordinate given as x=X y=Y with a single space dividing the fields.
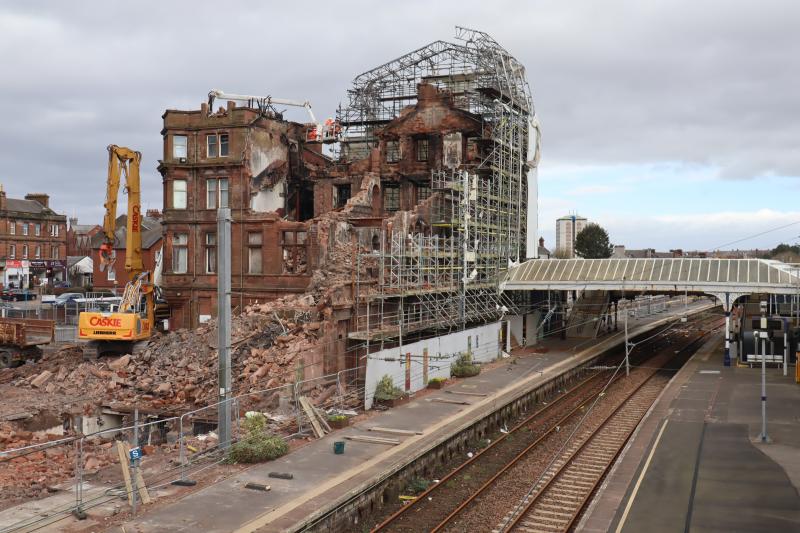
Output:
x=697 y=464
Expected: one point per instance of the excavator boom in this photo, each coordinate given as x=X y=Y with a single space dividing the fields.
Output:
x=123 y=162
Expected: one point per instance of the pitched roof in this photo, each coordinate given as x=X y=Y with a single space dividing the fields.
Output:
x=72 y=260
x=672 y=275
x=83 y=228
x=151 y=233
x=25 y=206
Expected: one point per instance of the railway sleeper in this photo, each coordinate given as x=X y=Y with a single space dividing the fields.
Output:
x=567 y=493
x=535 y=528
x=596 y=455
x=592 y=462
x=538 y=529
x=575 y=479
x=538 y=521
x=557 y=506
x=584 y=463
x=552 y=514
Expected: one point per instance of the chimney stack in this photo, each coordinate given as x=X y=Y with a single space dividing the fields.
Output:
x=40 y=197
x=2 y=197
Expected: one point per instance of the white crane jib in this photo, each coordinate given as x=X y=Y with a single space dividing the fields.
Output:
x=327 y=133
x=266 y=100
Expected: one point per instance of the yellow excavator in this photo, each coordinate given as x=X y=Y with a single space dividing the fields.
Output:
x=122 y=330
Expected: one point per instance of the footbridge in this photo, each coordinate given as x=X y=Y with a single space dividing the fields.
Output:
x=725 y=279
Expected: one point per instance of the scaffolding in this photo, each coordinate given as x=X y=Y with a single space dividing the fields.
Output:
x=448 y=277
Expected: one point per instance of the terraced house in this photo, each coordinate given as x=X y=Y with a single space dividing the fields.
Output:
x=33 y=241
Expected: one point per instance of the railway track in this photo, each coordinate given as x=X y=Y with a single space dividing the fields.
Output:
x=487 y=478
x=481 y=469
x=562 y=492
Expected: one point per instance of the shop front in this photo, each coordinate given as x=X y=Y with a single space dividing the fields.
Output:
x=45 y=272
x=16 y=273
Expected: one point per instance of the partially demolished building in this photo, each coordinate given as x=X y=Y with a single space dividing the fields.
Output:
x=419 y=201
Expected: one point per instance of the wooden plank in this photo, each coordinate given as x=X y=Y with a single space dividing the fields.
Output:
x=445 y=400
x=321 y=418
x=313 y=419
x=126 y=472
x=466 y=393
x=372 y=440
x=322 y=424
x=394 y=431
x=144 y=496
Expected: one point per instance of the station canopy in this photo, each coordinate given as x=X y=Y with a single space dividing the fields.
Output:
x=709 y=276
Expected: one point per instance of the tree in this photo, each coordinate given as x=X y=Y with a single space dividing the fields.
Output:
x=784 y=248
x=593 y=243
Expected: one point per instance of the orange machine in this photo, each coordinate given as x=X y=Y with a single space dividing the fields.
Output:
x=122 y=329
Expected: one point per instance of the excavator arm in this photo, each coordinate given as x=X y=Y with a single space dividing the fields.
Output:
x=123 y=162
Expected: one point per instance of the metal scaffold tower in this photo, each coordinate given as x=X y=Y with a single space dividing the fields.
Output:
x=448 y=277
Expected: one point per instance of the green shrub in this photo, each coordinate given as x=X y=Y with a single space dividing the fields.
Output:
x=437 y=380
x=337 y=418
x=257 y=445
x=417 y=485
x=464 y=367
x=385 y=390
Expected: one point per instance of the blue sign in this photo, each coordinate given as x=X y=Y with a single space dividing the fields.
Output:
x=135 y=453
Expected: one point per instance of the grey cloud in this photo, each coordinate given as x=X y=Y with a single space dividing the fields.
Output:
x=614 y=83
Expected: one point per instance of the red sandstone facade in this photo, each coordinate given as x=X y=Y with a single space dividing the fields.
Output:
x=32 y=241
x=289 y=202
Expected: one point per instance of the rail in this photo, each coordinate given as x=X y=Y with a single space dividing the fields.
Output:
x=630 y=425
x=479 y=456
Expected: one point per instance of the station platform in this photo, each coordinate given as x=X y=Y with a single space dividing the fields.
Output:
x=322 y=478
x=696 y=462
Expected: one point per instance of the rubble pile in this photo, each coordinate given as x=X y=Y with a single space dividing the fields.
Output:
x=39 y=472
x=272 y=344
x=34 y=473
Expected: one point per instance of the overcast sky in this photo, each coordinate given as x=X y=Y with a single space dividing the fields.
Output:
x=671 y=123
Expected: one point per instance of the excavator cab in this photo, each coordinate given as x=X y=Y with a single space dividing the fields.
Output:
x=124 y=329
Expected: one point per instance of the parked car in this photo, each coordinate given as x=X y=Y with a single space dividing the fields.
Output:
x=62 y=285
x=67 y=298
x=16 y=295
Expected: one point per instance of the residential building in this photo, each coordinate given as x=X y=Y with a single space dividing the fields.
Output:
x=79 y=237
x=80 y=269
x=544 y=253
x=646 y=253
x=32 y=241
x=254 y=163
x=567 y=229
x=114 y=277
